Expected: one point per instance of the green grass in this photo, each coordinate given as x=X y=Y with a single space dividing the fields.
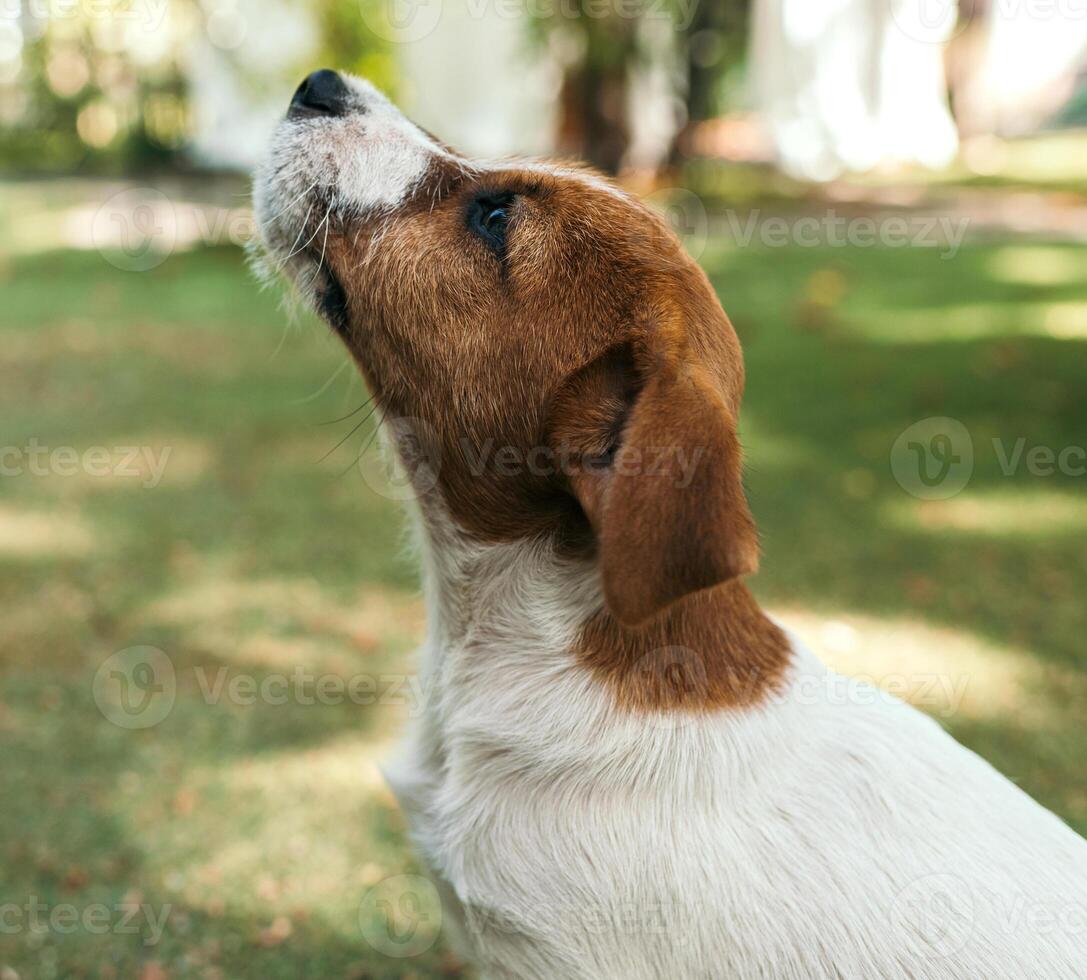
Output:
x=1047 y=162
x=258 y=830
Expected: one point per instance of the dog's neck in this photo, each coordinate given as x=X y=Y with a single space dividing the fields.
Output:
x=715 y=649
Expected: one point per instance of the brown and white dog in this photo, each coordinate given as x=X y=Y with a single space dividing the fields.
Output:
x=625 y=769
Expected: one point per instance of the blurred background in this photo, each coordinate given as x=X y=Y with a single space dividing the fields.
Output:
x=207 y=612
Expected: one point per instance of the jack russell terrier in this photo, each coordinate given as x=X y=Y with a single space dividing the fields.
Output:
x=625 y=768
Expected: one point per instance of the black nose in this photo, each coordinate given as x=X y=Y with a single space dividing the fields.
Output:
x=321 y=94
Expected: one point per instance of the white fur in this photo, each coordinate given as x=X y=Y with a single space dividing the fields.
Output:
x=816 y=836
x=370 y=157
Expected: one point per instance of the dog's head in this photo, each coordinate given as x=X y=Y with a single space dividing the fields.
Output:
x=565 y=366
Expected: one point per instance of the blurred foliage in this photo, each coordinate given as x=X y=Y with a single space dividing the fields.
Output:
x=103 y=88
x=714 y=44
x=1075 y=112
x=81 y=101
x=350 y=45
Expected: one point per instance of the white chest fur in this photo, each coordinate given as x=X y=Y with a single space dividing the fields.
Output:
x=816 y=836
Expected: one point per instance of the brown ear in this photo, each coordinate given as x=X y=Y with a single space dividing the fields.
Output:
x=668 y=511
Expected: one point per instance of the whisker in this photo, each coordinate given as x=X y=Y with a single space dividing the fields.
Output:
x=305 y=244
x=282 y=341
x=320 y=391
x=358 y=426
x=301 y=231
x=290 y=203
x=344 y=418
x=369 y=442
x=324 y=245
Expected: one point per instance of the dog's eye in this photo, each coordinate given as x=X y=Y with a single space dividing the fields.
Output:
x=488 y=217
x=494 y=221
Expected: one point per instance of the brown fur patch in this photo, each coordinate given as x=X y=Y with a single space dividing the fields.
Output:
x=712 y=649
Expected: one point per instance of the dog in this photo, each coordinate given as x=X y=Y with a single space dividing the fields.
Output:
x=625 y=768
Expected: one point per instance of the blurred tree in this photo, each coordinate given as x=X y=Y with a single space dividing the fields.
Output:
x=601 y=46
x=593 y=111
x=712 y=43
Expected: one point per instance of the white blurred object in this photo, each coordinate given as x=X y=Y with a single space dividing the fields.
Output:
x=653 y=108
x=239 y=79
x=1033 y=54
x=477 y=82
x=853 y=84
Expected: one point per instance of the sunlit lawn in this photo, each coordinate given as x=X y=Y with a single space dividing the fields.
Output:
x=1047 y=162
x=259 y=829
